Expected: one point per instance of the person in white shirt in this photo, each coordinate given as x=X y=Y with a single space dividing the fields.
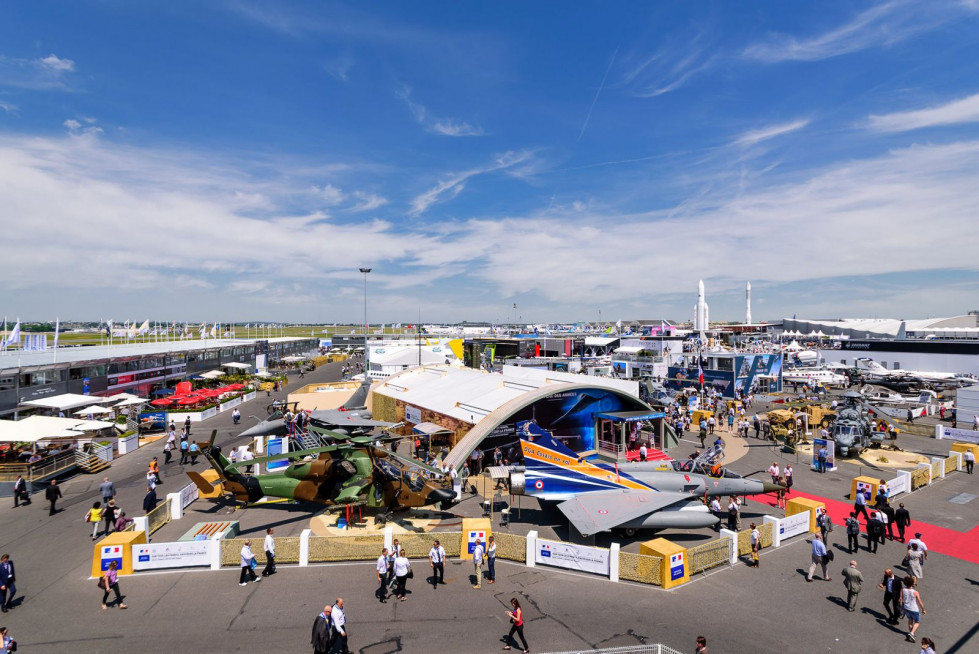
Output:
x=478 y=553
x=774 y=472
x=456 y=482
x=715 y=508
x=788 y=477
x=491 y=559
x=921 y=546
x=970 y=460
x=269 y=554
x=382 y=576
x=339 y=619
x=436 y=558
x=402 y=566
x=246 y=564
x=247 y=456
x=642 y=452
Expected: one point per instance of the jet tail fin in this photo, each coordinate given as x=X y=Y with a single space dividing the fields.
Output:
x=532 y=434
x=217 y=459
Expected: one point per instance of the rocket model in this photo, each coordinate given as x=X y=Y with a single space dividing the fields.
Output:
x=701 y=317
x=747 y=299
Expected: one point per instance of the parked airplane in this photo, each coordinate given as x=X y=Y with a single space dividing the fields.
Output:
x=595 y=496
x=813 y=375
x=870 y=371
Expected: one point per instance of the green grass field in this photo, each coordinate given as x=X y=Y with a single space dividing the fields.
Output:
x=314 y=331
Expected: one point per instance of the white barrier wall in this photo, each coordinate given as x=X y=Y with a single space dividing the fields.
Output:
x=572 y=557
x=182 y=554
x=964 y=435
x=793 y=525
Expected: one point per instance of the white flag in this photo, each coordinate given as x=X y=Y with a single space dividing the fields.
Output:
x=14 y=336
x=57 y=325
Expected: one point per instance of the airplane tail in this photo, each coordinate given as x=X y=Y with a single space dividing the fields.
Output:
x=217 y=459
x=534 y=440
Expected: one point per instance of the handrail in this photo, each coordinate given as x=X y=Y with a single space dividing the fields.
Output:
x=32 y=471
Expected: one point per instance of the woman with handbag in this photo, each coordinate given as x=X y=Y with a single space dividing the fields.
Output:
x=402 y=573
x=8 y=644
x=516 y=625
x=248 y=565
x=109 y=582
x=94 y=516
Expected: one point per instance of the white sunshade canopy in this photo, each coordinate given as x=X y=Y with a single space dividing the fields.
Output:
x=93 y=410
x=211 y=374
x=294 y=359
x=235 y=364
x=131 y=402
x=36 y=428
x=64 y=402
x=119 y=397
x=628 y=349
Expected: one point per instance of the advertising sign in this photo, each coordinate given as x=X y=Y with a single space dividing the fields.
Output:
x=676 y=566
x=413 y=414
x=151 y=420
x=793 y=525
x=110 y=553
x=866 y=489
x=188 y=494
x=964 y=435
x=277 y=446
x=182 y=554
x=471 y=537
x=830 y=445
x=573 y=557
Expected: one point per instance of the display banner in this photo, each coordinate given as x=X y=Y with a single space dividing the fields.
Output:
x=277 y=446
x=965 y=435
x=413 y=414
x=676 y=566
x=572 y=557
x=793 y=525
x=188 y=494
x=110 y=553
x=898 y=485
x=830 y=445
x=182 y=554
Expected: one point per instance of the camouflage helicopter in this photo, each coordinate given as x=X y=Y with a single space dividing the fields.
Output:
x=351 y=471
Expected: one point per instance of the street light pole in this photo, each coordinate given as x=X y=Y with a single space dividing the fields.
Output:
x=365 y=271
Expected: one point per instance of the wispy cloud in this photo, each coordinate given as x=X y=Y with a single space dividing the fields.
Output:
x=8 y=107
x=677 y=60
x=340 y=67
x=880 y=26
x=755 y=136
x=956 y=112
x=453 y=185
x=46 y=73
x=330 y=195
x=367 y=201
x=86 y=126
x=443 y=126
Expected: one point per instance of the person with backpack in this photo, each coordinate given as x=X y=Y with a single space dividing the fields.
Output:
x=852 y=533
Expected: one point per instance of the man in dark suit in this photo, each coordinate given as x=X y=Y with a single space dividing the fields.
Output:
x=875 y=532
x=52 y=494
x=322 y=640
x=7 y=587
x=20 y=492
x=903 y=520
x=891 y=586
x=149 y=500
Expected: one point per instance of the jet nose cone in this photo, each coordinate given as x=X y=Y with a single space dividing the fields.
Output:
x=769 y=487
x=440 y=495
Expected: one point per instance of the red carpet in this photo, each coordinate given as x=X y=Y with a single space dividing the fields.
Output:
x=964 y=546
x=652 y=454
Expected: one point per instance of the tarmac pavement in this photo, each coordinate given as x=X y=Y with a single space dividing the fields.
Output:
x=739 y=609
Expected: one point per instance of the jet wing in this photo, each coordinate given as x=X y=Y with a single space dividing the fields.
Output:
x=351 y=419
x=591 y=513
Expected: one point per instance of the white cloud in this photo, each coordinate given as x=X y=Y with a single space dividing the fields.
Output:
x=328 y=194
x=755 y=136
x=76 y=128
x=56 y=63
x=678 y=59
x=443 y=126
x=8 y=107
x=341 y=66
x=452 y=185
x=879 y=26
x=965 y=110
x=450 y=127
x=367 y=201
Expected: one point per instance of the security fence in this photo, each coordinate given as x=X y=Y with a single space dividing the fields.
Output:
x=937 y=468
x=920 y=477
x=951 y=464
x=709 y=555
x=158 y=517
x=349 y=548
x=511 y=547
x=286 y=549
x=640 y=568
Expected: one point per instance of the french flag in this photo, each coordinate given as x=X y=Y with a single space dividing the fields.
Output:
x=700 y=372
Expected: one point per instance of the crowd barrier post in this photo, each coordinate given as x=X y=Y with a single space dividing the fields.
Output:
x=959 y=464
x=388 y=536
x=941 y=468
x=304 y=547
x=776 y=536
x=215 y=552
x=531 y=549
x=907 y=479
x=141 y=523
x=613 y=562
x=732 y=545
x=926 y=466
x=176 y=508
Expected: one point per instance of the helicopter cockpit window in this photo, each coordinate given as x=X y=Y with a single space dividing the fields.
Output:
x=414 y=480
x=389 y=470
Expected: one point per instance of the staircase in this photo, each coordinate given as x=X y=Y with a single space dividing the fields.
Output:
x=91 y=463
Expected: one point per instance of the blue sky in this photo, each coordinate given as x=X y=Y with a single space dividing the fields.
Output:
x=240 y=160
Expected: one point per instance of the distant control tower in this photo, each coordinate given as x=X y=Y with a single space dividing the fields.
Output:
x=701 y=315
x=747 y=300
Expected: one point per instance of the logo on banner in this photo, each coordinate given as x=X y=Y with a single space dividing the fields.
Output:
x=471 y=539
x=111 y=553
x=676 y=566
x=545 y=550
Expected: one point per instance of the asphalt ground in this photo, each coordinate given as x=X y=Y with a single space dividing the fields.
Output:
x=739 y=609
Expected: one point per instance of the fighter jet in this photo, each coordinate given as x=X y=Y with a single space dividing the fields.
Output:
x=351 y=418
x=595 y=496
x=351 y=472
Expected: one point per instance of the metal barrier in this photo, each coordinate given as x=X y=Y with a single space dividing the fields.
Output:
x=352 y=548
x=630 y=649
x=417 y=545
x=158 y=517
x=709 y=555
x=286 y=550
x=744 y=538
x=47 y=466
x=951 y=464
x=920 y=477
x=510 y=547
x=637 y=567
